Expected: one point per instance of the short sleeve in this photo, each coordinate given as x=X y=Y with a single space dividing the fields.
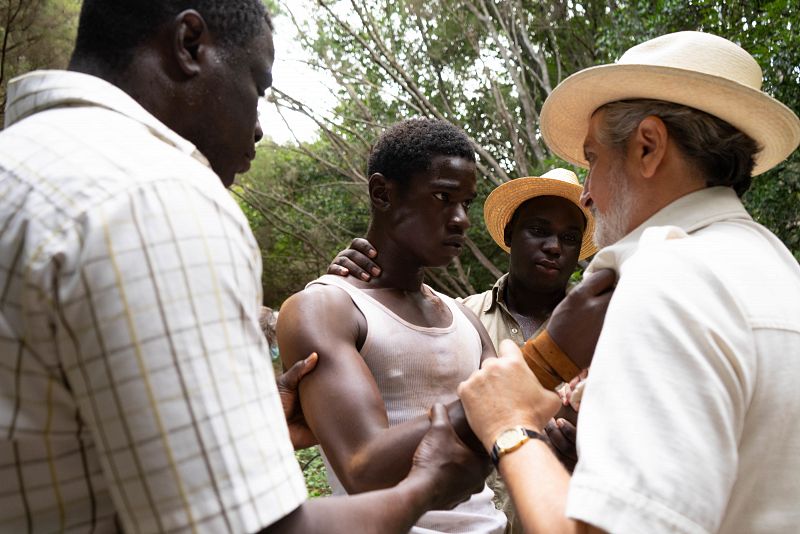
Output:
x=168 y=365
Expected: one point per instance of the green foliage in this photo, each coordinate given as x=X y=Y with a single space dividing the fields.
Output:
x=488 y=65
x=313 y=471
x=35 y=34
x=298 y=213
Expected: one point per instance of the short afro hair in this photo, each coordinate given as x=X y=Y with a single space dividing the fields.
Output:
x=410 y=146
x=110 y=30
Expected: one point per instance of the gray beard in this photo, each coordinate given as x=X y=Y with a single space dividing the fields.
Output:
x=612 y=225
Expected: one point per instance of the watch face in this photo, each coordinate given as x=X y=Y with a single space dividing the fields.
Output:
x=510 y=437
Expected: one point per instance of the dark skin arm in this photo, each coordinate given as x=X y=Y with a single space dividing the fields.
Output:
x=340 y=399
x=440 y=465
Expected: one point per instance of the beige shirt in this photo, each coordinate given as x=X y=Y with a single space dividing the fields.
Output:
x=135 y=387
x=491 y=309
x=688 y=421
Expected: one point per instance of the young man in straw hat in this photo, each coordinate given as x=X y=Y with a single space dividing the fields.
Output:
x=541 y=223
x=679 y=427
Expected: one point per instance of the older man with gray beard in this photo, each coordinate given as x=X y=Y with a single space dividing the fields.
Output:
x=683 y=421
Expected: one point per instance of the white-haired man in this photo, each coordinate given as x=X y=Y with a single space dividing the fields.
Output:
x=683 y=421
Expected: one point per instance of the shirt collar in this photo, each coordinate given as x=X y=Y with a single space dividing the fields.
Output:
x=47 y=89
x=690 y=213
x=498 y=293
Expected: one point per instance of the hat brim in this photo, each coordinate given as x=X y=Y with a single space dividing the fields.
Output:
x=567 y=111
x=501 y=204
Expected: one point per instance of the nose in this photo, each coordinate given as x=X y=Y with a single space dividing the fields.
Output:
x=552 y=245
x=586 y=197
x=459 y=220
x=259 y=133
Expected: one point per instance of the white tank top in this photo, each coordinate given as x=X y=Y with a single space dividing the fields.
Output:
x=415 y=367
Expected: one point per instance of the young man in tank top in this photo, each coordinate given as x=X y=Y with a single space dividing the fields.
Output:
x=392 y=347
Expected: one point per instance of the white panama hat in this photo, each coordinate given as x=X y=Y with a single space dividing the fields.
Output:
x=695 y=69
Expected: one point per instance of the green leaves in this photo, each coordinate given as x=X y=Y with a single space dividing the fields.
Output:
x=488 y=65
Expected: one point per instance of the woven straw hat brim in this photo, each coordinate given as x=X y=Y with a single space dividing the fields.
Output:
x=567 y=111
x=501 y=204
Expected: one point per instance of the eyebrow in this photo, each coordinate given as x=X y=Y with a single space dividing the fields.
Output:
x=550 y=223
x=445 y=184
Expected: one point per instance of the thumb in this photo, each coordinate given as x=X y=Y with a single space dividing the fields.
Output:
x=509 y=349
x=439 y=415
x=300 y=369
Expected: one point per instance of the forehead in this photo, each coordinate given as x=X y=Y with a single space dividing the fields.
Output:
x=550 y=209
x=261 y=48
x=450 y=172
x=257 y=53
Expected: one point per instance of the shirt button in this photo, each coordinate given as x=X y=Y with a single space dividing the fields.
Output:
x=514 y=330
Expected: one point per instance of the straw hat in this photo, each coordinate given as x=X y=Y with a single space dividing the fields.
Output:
x=501 y=203
x=695 y=69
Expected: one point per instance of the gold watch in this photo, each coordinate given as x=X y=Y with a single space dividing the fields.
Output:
x=512 y=439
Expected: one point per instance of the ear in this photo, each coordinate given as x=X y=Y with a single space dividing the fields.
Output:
x=190 y=36
x=650 y=145
x=381 y=190
x=507 y=232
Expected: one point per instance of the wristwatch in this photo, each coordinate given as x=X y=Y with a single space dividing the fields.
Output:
x=510 y=440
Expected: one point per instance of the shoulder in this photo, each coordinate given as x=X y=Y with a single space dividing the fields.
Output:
x=318 y=294
x=318 y=307
x=73 y=169
x=478 y=303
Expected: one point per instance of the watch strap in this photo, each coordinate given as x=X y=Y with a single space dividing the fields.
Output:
x=497 y=453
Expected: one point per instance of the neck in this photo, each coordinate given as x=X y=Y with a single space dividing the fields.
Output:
x=399 y=269
x=98 y=70
x=141 y=80
x=523 y=300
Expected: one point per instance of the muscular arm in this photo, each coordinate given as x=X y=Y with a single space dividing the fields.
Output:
x=442 y=475
x=340 y=399
x=486 y=342
x=390 y=510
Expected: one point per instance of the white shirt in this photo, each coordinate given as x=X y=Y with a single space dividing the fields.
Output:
x=136 y=387
x=688 y=422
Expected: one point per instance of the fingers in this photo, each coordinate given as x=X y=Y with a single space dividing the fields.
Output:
x=344 y=266
x=440 y=420
x=336 y=269
x=356 y=263
x=438 y=415
x=569 y=430
x=562 y=435
x=363 y=246
x=296 y=372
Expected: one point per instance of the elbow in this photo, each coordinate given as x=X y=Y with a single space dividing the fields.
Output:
x=359 y=476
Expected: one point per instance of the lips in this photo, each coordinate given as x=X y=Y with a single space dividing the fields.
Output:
x=248 y=159
x=549 y=264
x=454 y=241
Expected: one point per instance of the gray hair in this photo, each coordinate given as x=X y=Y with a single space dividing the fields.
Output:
x=725 y=156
